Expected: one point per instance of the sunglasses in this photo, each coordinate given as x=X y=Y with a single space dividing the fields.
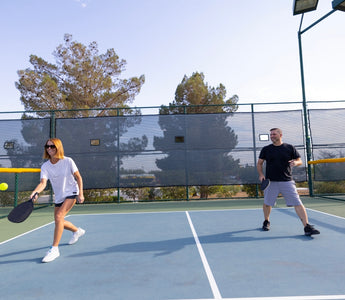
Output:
x=50 y=146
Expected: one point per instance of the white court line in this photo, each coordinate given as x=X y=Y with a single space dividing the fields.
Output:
x=207 y=268
x=324 y=213
x=323 y=297
x=25 y=233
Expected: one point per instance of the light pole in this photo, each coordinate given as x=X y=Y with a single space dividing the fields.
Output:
x=300 y=7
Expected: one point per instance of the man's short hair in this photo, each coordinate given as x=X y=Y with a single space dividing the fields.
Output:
x=278 y=129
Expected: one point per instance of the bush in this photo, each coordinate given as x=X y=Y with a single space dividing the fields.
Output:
x=331 y=187
x=252 y=190
x=100 y=195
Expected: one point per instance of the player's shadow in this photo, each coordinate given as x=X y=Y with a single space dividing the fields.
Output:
x=339 y=229
x=24 y=253
x=6 y=258
x=166 y=247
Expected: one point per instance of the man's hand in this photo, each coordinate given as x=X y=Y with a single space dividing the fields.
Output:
x=295 y=162
x=261 y=178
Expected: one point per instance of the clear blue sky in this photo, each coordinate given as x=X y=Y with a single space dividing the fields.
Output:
x=249 y=46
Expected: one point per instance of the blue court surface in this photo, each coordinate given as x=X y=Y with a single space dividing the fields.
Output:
x=220 y=254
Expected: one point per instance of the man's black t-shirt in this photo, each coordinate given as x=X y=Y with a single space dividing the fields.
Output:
x=277 y=161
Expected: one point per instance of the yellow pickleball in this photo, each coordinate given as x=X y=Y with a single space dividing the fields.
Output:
x=3 y=186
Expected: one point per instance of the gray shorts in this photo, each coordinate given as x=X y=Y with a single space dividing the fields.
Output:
x=286 y=188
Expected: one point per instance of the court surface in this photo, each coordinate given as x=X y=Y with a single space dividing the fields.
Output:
x=217 y=254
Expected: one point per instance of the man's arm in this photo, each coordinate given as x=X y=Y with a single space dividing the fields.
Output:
x=259 y=167
x=295 y=162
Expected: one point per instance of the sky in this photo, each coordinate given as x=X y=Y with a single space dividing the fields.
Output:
x=251 y=46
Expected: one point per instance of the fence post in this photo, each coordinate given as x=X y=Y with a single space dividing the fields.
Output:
x=15 y=189
x=254 y=146
x=185 y=151
x=52 y=124
x=118 y=156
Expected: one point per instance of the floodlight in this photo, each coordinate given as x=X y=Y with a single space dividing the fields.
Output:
x=8 y=145
x=302 y=6
x=263 y=137
x=338 y=5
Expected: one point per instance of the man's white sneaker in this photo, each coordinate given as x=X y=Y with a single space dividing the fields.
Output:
x=76 y=235
x=52 y=253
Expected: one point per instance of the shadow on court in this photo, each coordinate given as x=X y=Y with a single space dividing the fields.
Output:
x=318 y=222
x=6 y=258
x=167 y=247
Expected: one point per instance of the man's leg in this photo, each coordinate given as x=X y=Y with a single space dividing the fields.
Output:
x=267 y=211
x=270 y=197
x=302 y=214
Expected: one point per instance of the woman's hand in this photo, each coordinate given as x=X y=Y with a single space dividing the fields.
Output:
x=34 y=196
x=80 y=198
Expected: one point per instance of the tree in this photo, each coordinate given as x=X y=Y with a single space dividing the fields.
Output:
x=81 y=79
x=193 y=92
x=197 y=147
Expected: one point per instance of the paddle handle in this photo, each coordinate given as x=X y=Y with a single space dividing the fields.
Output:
x=34 y=196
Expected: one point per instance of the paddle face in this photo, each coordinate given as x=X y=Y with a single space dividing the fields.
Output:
x=264 y=184
x=21 y=212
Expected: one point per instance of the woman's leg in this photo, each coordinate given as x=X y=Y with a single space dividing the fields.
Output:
x=60 y=222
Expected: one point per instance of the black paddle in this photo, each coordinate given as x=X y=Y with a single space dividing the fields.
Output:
x=21 y=212
x=264 y=184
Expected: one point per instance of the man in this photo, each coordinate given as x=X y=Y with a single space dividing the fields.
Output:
x=280 y=158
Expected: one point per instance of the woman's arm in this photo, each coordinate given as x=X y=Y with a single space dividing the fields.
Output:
x=79 y=179
x=39 y=188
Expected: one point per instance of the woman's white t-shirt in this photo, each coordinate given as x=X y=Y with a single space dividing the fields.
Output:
x=61 y=178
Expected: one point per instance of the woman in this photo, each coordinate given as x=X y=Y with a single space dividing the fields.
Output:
x=67 y=185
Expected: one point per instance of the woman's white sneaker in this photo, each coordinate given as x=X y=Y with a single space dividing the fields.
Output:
x=76 y=235
x=52 y=253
